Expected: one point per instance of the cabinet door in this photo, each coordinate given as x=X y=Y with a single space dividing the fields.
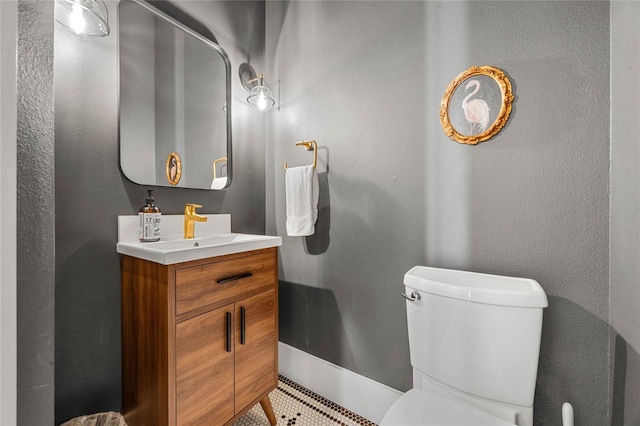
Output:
x=256 y=367
x=204 y=368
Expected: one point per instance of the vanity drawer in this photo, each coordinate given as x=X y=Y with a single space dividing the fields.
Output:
x=203 y=285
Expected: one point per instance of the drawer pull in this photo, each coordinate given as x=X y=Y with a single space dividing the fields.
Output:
x=228 y=331
x=243 y=333
x=234 y=278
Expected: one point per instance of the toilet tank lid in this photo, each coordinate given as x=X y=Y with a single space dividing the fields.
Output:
x=476 y=287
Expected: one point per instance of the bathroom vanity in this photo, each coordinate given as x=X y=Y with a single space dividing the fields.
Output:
x=199 y=336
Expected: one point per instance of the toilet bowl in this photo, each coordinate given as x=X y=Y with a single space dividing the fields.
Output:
x=419 y=407
x=474 y=343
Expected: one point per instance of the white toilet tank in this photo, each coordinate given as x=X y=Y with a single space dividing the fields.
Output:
x=477 y=333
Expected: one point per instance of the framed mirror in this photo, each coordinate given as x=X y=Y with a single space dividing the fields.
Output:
x=174 y=104
x=476 y=105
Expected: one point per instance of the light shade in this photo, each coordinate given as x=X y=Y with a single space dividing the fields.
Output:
x=83 y=18
x=261 y=97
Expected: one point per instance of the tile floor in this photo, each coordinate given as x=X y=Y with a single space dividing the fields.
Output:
x=295 y=405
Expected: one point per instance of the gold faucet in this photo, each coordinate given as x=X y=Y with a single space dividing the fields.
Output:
x=190 y=217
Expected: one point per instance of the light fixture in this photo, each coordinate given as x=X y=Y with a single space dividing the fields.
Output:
x=83 y=18
x=260 y=96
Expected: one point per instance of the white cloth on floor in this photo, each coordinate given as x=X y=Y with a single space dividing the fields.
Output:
x=302 y=194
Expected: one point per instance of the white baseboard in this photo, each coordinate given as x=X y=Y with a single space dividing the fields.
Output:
x=352 y=391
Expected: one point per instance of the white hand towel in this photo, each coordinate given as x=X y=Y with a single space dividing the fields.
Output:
x=219 y=182
x=303 y=190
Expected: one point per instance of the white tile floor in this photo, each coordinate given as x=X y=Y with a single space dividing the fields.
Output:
x=295 y=405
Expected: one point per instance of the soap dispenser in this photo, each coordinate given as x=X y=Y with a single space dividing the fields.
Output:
x=149 y=220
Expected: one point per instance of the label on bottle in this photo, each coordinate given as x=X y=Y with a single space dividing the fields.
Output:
x=149 y=226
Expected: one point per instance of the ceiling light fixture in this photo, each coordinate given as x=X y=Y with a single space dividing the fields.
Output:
x=83 y=18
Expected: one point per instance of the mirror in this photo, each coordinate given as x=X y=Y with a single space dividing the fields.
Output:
x=175 y=89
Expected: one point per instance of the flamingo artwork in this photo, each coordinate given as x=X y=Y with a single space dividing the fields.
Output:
x=476 y=111
x=173 y=169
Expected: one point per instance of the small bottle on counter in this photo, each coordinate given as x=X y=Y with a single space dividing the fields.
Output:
x=149 y=217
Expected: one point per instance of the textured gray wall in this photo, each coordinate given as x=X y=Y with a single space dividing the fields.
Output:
x=90 y=193
x=36 y=214
x=8 y=259
x=365 y=79
x=624 y=213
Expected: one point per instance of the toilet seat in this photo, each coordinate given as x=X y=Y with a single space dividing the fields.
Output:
x=422 y=408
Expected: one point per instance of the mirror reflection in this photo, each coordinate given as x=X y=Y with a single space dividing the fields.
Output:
x=175 y=127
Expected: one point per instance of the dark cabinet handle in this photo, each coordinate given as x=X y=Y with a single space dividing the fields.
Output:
x=228 y=331
x=243 y=332
x=234 y=278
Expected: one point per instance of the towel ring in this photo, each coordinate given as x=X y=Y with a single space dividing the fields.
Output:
x=310 y=145
x=216 y=162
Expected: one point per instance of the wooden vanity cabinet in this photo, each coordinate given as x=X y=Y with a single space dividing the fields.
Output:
x=199 y=338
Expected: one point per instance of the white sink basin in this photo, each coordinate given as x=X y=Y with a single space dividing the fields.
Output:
x=168 y=251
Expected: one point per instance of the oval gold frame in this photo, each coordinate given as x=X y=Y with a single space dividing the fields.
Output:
x=505 y=109
x=173 y=176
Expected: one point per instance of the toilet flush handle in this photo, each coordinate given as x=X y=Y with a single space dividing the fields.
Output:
x=415 y=296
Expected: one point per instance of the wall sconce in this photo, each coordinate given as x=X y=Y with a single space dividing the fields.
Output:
x=260 y=96
x=83 y=18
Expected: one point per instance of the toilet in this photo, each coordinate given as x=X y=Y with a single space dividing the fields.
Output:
x=474 y=342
